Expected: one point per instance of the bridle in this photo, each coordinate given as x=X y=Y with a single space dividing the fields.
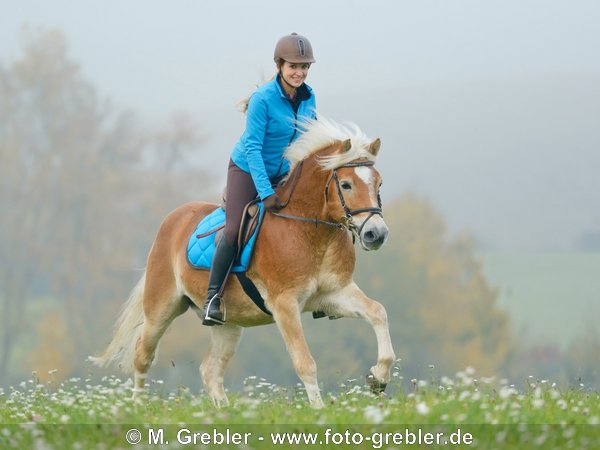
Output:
x=346 y=222
x=352 y=212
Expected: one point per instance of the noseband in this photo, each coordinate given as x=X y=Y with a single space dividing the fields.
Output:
x=346 y=222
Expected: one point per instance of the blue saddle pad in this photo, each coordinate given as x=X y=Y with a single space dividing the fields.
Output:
x=200 y=251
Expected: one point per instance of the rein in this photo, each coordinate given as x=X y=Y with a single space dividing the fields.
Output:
x=316 y=221
x=346 y=221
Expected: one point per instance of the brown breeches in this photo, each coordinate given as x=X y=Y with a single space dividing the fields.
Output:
x=239 y=192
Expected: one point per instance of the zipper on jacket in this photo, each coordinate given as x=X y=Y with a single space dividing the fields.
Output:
x=295 y=110
x=295 y=126
x=293 y=135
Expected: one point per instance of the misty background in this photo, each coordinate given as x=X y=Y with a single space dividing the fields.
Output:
x=487 y=111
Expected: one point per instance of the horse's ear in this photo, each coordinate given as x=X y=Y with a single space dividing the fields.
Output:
x=374 y=147
x=346 y=145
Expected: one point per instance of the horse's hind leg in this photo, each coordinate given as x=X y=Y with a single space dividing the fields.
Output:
x=162 y=304
x=223 y=343
x=353 y=302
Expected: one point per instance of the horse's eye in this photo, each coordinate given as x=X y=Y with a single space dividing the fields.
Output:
x=346 y=185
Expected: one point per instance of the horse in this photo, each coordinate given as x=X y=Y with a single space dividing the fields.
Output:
x=303 y=261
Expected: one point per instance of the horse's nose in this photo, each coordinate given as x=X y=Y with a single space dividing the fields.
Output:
x=375 y=237
x=371 y=236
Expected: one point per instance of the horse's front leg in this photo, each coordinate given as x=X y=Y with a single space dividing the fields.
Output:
x=286 y=313
x=224 y=341
x=351 y=301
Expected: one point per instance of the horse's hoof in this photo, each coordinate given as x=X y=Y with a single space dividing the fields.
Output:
x=376 y=386
x=220 y=402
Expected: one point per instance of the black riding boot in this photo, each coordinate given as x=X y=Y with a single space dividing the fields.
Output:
x=222 y=262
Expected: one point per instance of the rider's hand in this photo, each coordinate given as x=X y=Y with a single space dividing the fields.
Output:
x=273 y=203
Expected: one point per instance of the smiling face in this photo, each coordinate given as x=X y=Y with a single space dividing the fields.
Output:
x=294 y=74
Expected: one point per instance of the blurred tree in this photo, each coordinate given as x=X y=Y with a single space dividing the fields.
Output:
x=83 y=190
x=583 y=360
x=55 y=347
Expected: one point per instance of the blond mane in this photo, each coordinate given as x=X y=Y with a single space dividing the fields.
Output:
x=317 y=134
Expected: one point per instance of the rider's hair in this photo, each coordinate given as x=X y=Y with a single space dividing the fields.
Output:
x=243 y=104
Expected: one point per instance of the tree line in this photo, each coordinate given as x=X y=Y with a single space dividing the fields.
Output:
x=83 y=187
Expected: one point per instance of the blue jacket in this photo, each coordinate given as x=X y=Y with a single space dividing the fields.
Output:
x=270 y=127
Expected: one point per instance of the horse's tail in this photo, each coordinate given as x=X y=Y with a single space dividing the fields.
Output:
x=128 y=329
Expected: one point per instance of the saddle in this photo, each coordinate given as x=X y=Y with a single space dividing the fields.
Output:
x=202 y=242
x=250 y=221
x=250 y=215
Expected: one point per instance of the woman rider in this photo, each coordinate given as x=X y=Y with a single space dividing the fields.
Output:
x=273 y=112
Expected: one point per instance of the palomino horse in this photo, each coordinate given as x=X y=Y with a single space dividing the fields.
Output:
x=303 y=261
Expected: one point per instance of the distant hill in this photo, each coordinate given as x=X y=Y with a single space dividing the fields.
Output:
x=552 y=298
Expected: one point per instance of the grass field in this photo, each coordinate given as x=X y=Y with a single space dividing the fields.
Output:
x=482 y=413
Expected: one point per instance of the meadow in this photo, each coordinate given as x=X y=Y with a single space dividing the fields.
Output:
x=462 y=411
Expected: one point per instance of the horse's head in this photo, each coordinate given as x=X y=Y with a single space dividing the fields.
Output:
x=352 y=192
x=352 y=185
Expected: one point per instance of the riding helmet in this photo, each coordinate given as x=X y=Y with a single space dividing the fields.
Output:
x=294 y=48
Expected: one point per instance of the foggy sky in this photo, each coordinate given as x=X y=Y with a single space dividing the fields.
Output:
x=488 y=108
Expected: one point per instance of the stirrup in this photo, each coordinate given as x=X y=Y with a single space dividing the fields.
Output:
x=321 y=314
x=209 y=320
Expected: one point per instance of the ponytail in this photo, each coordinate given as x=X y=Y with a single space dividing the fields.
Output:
x=243 y=104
